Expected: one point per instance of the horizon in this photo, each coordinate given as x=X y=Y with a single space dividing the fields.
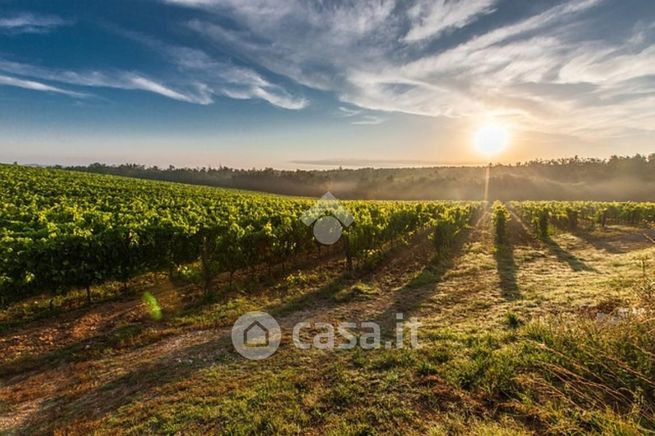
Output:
x=333 y=164
x=213 y=82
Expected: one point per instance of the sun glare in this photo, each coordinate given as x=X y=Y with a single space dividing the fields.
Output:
x=491 y=139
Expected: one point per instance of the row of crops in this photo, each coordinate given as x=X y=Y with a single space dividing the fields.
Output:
x=569 y=215
x=61 y=230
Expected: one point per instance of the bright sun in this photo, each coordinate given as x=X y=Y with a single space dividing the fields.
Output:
x=491 y=139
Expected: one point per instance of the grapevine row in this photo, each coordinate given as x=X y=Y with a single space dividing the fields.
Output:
x=569 y=214
x=61 y=230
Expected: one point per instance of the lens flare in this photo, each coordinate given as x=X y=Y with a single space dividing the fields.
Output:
x=152 y=306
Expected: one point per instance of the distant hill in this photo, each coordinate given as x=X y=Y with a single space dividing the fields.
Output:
x=617 y=178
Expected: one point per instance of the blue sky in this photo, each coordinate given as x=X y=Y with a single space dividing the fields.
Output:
x=292 y=83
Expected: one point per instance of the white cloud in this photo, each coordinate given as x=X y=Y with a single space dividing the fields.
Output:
x=210 y=79
x=194 y=93
x=432 y=18
x=279 y=99
x=36 y=86
x=200 y=77
x=222 y=78
x=607 y=65
x=368 y=120
x=348 y=112
x=359 y=116
x=30 y=23
x=142 y=83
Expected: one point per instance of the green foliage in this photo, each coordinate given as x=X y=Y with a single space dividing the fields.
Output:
x=537 y=213
x=62 y=230
x=500 y=216
x=568 y=215
x=450 y=223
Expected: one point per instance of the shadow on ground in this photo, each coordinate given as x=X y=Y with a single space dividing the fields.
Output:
x=567 y=257
x=409 y=299
x=507 y=269
x=617 y=240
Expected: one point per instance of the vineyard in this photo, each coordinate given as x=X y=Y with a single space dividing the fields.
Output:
x=536 y=315
x=569 y=214
x=65 y=230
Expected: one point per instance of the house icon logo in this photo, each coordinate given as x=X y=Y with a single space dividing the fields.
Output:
x=256 y=335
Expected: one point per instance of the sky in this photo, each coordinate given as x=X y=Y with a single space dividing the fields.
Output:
x=305 y=84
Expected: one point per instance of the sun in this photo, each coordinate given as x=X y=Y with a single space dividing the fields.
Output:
x=491 y=139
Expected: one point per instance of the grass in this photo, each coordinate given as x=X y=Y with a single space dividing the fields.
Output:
x=585 y=376
x=426 y=277
x=513 y=320
x=542 y=374
x=358 y=291
x=488 y=362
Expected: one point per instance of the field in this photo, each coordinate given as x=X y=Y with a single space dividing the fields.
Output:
x=119 y=295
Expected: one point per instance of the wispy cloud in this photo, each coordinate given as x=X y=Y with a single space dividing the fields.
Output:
x=36 y=86
x=208 y=79
x=145 y=84
x=368 y=120
x=218 y=77
x=30 y=23
x=359 y=117
x=349 y=112
x=224 y=78
x=199 y=78
x=194 y=93
x=432 y=18
x=540 y=70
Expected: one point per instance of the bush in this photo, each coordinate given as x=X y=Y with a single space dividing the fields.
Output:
x=500 y=217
